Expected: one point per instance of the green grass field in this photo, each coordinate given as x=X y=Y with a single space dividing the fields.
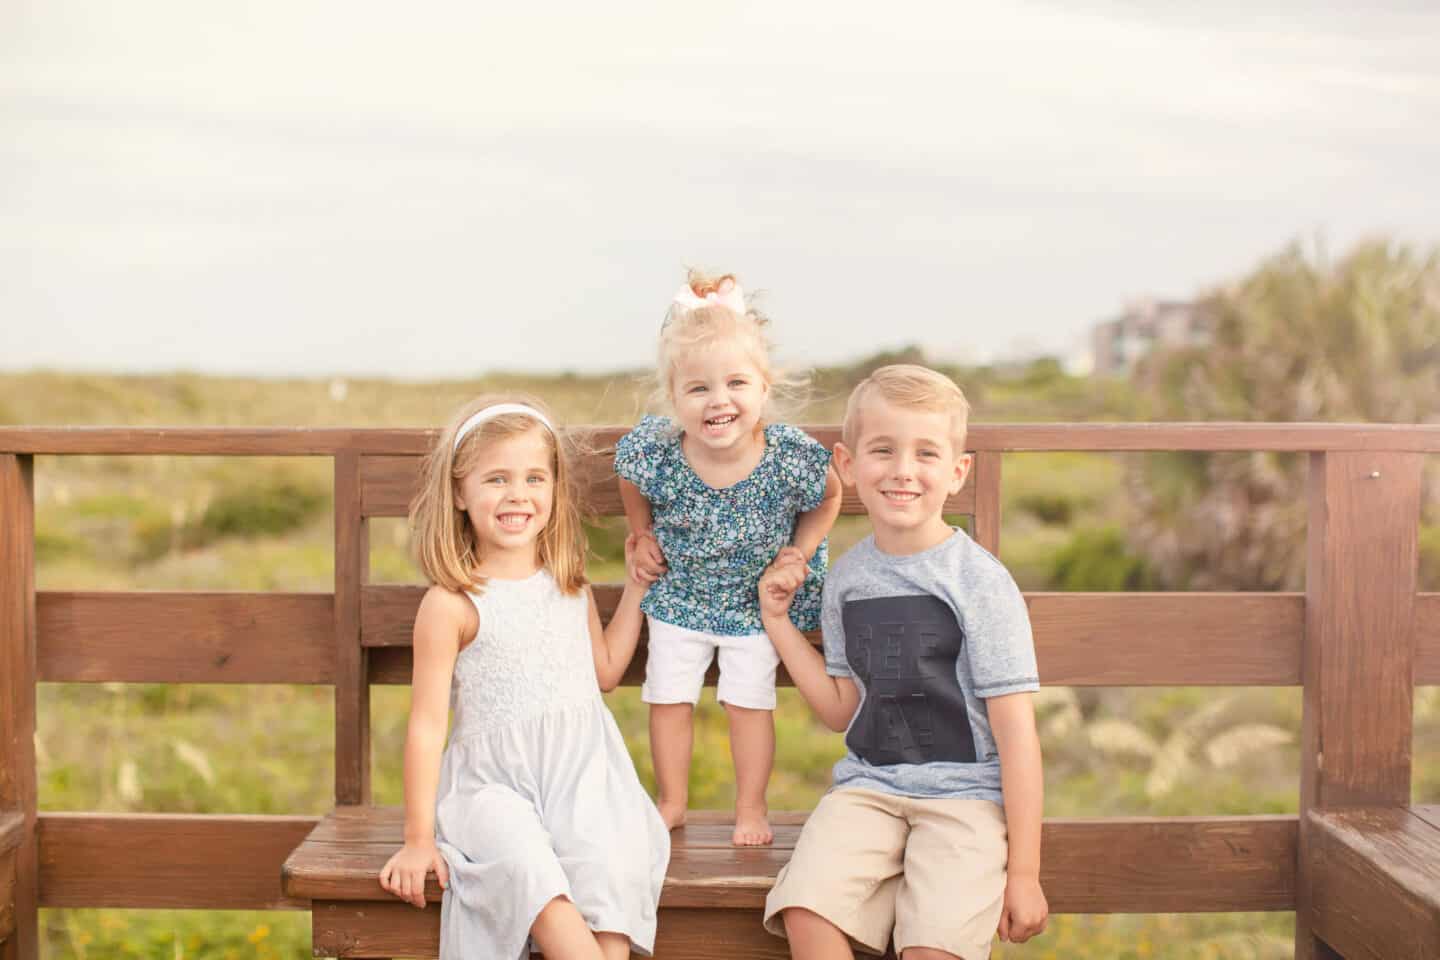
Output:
x=265 y=524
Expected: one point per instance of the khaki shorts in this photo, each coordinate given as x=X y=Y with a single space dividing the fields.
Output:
x=933 y=871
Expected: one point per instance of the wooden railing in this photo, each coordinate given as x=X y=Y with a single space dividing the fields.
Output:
x=1358 y=639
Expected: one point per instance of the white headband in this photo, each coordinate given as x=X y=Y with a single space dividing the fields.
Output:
x=734 y=298
x=499 y=410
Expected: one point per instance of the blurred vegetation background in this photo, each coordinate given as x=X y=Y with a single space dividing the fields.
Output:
x=1300 y=338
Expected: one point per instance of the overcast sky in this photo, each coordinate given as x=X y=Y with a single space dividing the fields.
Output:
x=441 y=189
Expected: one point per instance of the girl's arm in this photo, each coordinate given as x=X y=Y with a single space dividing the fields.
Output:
x=614 y=645
x=813 y=525
x=648 y=561
x=834 y=699
x=444 y=619
x=1022 y=782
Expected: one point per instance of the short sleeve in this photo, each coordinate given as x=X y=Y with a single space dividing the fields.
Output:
x=640 y=455
x=998 y=642
x=832 y=631
x=806 y=465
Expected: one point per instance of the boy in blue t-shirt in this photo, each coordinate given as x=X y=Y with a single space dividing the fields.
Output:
x=931 y=832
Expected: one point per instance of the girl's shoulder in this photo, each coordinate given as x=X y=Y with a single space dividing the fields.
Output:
x=443 y=610
x=795 y=445
x=649 y=452
x=655 y=430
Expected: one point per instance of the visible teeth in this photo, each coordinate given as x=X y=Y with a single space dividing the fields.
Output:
x=516 y=520
x=899 y=495
x=720 y=421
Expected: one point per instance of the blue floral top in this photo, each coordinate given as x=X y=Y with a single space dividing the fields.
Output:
x=718 y=542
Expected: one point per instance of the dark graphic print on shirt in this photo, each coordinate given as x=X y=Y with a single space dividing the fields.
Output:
x=903 y=650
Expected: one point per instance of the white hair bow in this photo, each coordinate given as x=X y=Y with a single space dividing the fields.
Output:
x=734 y=298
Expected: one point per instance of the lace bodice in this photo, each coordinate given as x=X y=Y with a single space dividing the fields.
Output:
x=531 y=655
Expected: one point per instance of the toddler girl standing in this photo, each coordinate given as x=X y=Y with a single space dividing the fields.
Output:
x=533 y=819
x=715 y=494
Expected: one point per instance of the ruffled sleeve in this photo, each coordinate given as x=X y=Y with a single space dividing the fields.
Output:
x=642 y=454
x=804 y=463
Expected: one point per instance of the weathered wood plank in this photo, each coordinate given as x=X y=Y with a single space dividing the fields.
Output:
x=389 y=483
x=7 y=898
x=1034 y=437
x=186 y=637
x=357 y=929
x=1124 y=865
x=165 y=861
x=986 y=507
x=1081 y=639
x=1358 y=663
x=352 y=687
x=1375 y=883
x=1427 y=639
x=17 y=694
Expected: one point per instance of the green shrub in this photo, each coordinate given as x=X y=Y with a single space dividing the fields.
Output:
x=1098 y=559
x=272 y=508
x=1054 y=509
x=51 y=545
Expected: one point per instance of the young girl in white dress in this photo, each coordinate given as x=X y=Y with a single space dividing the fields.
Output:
x=533 y=819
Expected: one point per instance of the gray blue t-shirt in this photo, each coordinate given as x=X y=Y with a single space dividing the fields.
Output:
x=927 y=638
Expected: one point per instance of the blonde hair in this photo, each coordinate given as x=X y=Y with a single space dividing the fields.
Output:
x=686 y=330
x=445 y=546
x=913 y=386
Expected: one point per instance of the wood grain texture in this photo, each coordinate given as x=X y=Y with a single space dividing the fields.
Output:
x=1427 y=639
x=1033 y=437
x=1129 y=865
x=89 y=637
x=352 y=686
x=1375 y=891
x=986 y=508
x=1081 y=639
x=1358 y=661
x=164 y=861
x=7 y=898
x=389 y=483
x=17 y=694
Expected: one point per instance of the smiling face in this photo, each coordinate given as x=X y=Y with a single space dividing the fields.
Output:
x=904 y=464
x=509 y=495
x=718 y=393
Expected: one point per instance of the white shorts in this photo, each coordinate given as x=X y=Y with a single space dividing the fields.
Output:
x=675 y=668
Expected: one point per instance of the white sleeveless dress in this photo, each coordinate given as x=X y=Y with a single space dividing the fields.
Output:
x=538 y=797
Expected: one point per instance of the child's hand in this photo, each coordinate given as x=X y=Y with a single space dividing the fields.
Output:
x=790 y=555
x=644 y=562
x=404 y=873
x=1025 y=910
x=777 y=588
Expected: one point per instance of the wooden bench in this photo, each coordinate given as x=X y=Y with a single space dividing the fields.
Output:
x=1375 y=888
x=1357 y=640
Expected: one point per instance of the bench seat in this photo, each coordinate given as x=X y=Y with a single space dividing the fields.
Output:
x=1376 y=881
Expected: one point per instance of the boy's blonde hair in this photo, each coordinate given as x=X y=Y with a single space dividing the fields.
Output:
x=695 y=328
x=445 y=545
x=914 y=386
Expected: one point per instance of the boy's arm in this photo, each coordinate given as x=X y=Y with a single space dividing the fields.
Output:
x=813 y=525
x=834 y=699
x=1012 y=720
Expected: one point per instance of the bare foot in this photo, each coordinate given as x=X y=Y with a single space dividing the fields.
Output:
x=752 y=829
x=672 y=813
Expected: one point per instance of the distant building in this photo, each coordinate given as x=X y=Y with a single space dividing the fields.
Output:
x=1118 y=344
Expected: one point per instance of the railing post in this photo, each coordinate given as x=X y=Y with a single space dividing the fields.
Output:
x=1358 y=665
x=17 y=691
x=987 y=500
x=352 y=684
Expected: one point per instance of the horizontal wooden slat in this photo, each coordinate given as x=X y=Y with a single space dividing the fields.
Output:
x=1168 y=639
x=1081 y=639
x=185 y=637
x=283 y=441
x=1376 y=883
x=1427 y=638
x=1114 y=865
x=389 y=483
x=353 y=929
x=164 y=861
